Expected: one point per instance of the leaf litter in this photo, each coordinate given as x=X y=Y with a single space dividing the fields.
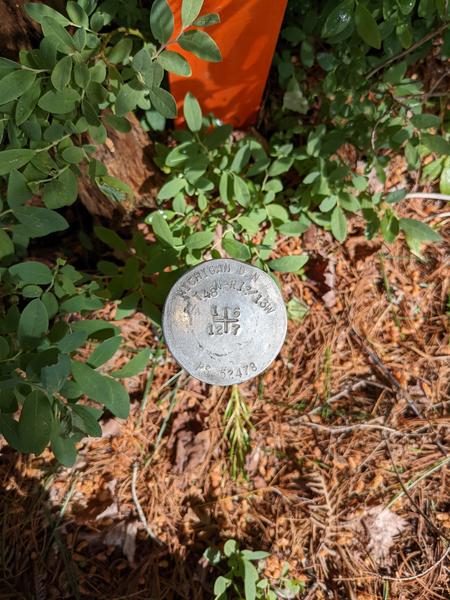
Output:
x=322 y=492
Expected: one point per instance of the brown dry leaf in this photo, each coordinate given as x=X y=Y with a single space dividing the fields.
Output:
x=190 y=442
x=123 y=535
x=322 y=270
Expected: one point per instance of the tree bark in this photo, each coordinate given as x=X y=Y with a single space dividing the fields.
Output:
x=127 y=156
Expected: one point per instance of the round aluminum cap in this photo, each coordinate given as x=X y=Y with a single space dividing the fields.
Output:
x=224 y=321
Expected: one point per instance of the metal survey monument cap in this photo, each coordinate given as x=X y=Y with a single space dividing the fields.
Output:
x=224 y=321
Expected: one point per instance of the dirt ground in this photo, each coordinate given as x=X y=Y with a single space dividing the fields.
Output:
x=347 y=474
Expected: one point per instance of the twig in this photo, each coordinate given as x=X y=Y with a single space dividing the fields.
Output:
x=346 y=428
x=443 y=215
x=138 y=506
x=419 y=43
x=341 y=394
x=430 y=195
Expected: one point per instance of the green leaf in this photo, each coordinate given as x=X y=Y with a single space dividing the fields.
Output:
x=307 y=53
x=297 y=310
x=367 y=27
x=161 y=229
x=18 y=192
x=200 y=44
x=151 y=72
x=63 y=190
x=174 y=63
x=435 y=143
x=104 y=351
x=127 y=99
x=118 y=123
x=110 y=238
x=444 y=183
x=199 y=240
x=190 y=9
x=39 y=222
x=250 y=579
x=425 y=121
x=59 y=103
x=38 y=12
x=241 y=191
x=73 y=155
x=27 y=103
x=6 y=245
x=15 y=84
x=61 y=73
x=95 y=328
x=33 y=323
x=230 y=547
x=221 y=585
x=54 y=376
x=293 y=228
x=163 y=102
x=405 y=34
x=338 y=19
x=236 y=249
x=64 y=449
x=81 y=75
x=14 y=159
x=134 y=366
x=207 y=20
x=89 y=422
x=192 y=112
x=32 y=272
x=171 y=188
x=121 y=51
x=338 y=224
x=31 y=291
x=50 y=303
x=102 y=389
x=77 y=14
x=406 y=6
x=35 y=423
x=56 y=32
x=288 y=264
x=10 y=430
x=255 y=554
x=419 y=231
x=161 y=21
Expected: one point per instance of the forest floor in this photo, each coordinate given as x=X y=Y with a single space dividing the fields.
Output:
x=347 y=475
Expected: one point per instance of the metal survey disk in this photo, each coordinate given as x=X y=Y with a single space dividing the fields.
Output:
x=224 y=321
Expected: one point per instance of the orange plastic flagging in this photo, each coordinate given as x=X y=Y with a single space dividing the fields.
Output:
x=247 y=35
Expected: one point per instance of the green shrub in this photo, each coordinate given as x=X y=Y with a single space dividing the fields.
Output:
x=55 y=104
x=346 y=76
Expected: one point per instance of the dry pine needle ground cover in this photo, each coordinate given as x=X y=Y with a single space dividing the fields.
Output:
x=347 y=474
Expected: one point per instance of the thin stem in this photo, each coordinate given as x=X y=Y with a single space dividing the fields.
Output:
x=419 y=43
x=430 y=195
x=55 y=143
x=54 y=176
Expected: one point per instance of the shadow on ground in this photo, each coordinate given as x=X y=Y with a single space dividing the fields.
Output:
x=46 y=554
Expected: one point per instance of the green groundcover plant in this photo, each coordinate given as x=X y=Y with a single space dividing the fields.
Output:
x=242 y=575
x=88 y=72
x=346 y=74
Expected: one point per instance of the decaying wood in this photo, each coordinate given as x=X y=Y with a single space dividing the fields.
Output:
x=127 y=156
